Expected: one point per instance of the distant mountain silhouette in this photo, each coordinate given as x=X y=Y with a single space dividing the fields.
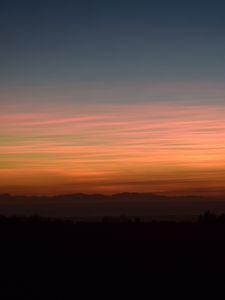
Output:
x=118 y=196
x=126 y=196
x=122 y=204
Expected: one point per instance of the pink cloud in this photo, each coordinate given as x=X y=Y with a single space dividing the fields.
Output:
x=120 y=139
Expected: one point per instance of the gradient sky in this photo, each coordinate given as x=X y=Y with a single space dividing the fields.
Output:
x=111 y=96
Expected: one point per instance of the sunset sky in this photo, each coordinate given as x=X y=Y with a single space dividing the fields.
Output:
x=112 y=96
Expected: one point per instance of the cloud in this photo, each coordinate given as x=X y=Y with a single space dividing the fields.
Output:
x=115 y=140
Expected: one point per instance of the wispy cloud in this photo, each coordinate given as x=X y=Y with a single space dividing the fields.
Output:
x=116 y=142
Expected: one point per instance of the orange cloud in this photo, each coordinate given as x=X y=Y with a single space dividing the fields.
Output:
x=172 y=147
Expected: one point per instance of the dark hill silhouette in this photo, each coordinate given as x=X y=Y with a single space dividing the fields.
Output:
x=45 y=258
x=98 y=205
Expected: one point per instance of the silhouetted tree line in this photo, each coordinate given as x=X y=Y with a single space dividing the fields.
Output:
x=207 y=217
x=210 y=218
x=44 y=258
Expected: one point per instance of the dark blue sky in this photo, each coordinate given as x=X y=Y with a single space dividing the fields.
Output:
x=56 y=42
x=112 y=96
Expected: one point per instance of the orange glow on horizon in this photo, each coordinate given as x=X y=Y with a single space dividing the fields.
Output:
x=114 y=148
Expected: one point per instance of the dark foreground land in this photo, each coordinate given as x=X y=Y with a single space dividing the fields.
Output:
x=51 y=259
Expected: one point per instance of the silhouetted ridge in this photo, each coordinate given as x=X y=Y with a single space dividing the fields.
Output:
x=123 y=196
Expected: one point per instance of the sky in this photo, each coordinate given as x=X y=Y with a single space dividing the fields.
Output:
x=112 y=96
